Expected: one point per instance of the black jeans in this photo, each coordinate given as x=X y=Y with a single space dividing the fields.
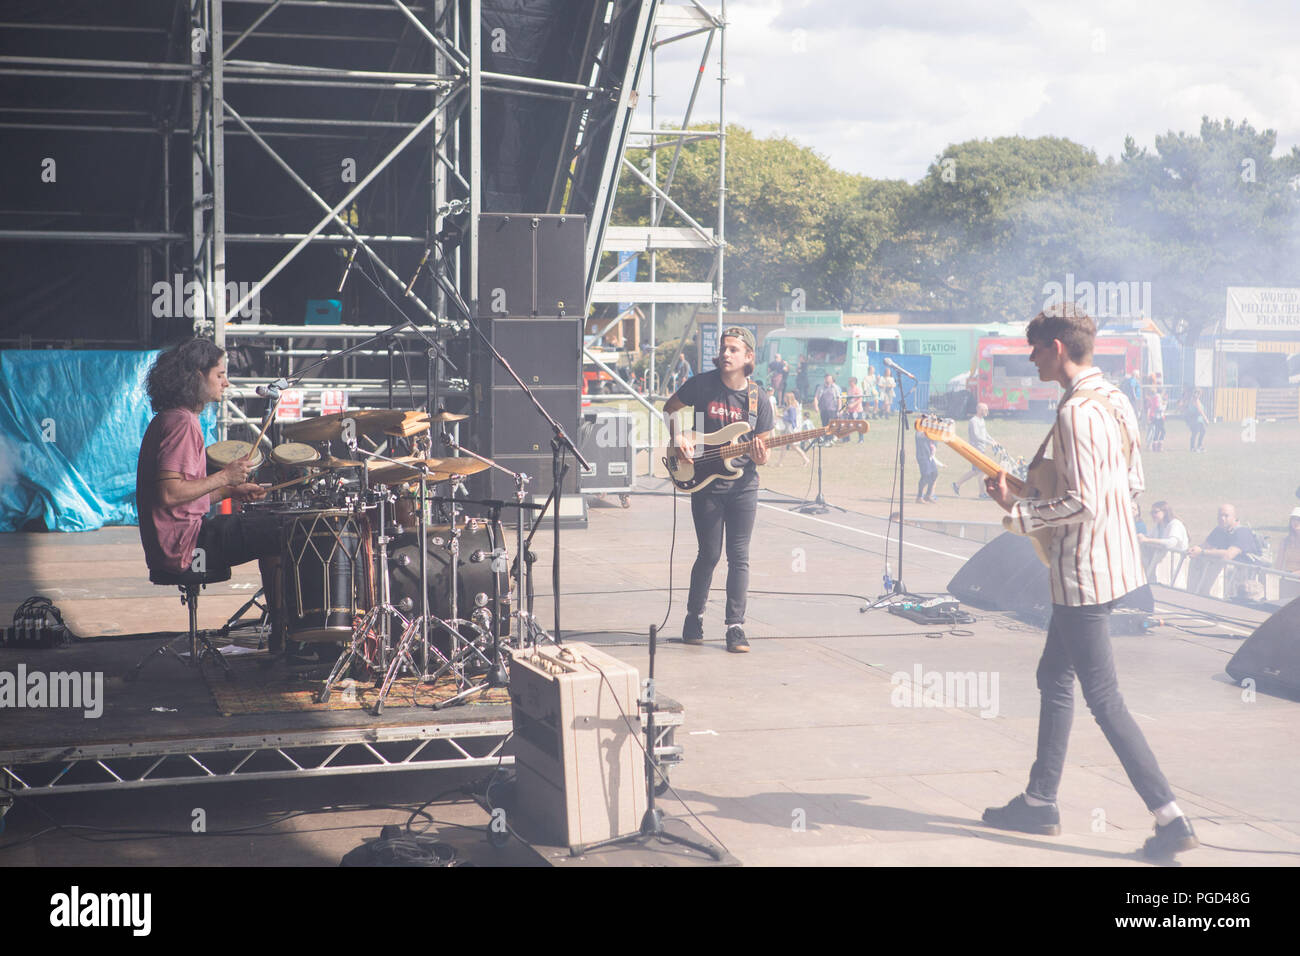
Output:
x=1078 y=642
x=229 y=540
x=714 y=512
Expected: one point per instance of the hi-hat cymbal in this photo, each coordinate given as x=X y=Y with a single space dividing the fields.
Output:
x=366 y=421
x=449 y=417
x=326 y=461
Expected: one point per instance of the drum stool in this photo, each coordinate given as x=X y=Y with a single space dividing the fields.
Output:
x=190 y=583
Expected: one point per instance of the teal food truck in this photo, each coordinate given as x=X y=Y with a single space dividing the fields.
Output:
x=828 y=345
x=952 y=348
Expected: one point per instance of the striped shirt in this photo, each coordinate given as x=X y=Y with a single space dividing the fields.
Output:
x=1095 y=557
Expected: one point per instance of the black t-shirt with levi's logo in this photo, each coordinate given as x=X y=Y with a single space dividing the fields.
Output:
x=717 y=406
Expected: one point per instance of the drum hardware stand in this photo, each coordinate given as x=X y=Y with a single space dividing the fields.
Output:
x=652 y=823
x=383 y=612
x=236 y=621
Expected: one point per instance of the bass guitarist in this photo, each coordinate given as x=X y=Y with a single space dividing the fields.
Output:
x=720 y=398
x=1094 y=559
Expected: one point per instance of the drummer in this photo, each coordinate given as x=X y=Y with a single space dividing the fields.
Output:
x=173 y=488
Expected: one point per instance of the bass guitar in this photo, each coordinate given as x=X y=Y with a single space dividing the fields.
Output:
x=1039 y=482
x=713 y=451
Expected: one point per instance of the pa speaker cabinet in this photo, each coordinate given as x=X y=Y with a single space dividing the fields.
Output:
x=545 y=352
x=580 y=769
x=531 y=265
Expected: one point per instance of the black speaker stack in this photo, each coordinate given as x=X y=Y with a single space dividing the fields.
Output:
x=531 y=304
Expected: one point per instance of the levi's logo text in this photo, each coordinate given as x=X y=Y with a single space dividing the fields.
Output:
x=727 y=414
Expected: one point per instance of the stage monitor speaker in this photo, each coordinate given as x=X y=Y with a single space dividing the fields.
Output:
x=531 y=265
x=1006 y=575
x=1271 y=656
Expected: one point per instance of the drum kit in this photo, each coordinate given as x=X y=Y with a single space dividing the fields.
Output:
x=379 y=557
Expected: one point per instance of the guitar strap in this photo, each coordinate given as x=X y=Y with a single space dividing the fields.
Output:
x=1098 y=396
x=753 y=406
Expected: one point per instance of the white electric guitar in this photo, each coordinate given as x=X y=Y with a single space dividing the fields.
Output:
x=713 y=451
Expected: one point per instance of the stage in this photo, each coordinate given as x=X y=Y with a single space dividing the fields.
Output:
x=843 y=738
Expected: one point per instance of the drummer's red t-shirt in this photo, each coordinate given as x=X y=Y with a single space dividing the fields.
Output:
x=172 y=442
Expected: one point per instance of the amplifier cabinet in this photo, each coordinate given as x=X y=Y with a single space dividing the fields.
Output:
x=580 y=771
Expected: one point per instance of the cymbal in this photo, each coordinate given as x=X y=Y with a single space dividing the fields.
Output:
x=459 y=466
x=366 y=421
x=326 y=461
x=406 y=469
x=448 y=417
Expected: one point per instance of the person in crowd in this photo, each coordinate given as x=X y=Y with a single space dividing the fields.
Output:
x=1164 y=548
x=1155 y=403
x=853 y=404
x=980 y=439
x=929 y=469
x=871 y=393
x=1230 y=541
x=791 y=421
x=778 y=370
x=885 y=385
x=1288 y=554
x=828 y=399
x=1194 y=411
x=801 y=383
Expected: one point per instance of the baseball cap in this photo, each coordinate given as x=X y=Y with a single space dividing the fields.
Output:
x=744 y=335
x=1295 y=512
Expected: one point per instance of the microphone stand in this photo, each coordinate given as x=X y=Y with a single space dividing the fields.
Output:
x=898 y=589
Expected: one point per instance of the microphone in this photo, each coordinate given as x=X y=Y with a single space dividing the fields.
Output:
x=899 y=369
x=273 y=390
x=423 y=259
x=347 y=268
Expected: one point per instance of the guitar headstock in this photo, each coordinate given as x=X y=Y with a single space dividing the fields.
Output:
x=935 y=427
x=839 y=427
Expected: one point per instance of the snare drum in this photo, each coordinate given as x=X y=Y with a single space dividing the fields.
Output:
x=224 y=452
x=326 y=574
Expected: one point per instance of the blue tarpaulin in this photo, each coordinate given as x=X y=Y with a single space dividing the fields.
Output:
x=71 y=423
x=917 y=393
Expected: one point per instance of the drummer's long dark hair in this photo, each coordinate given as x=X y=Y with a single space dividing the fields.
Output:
x=172 y=380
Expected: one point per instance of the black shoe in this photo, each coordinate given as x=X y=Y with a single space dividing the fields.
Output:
x=1019 y=815
x=1174 y=837
x=736 y=642
x=693 y=629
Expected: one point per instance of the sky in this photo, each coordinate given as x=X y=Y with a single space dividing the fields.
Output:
x=880 y=87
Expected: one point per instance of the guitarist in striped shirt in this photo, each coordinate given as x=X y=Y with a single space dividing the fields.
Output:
x=1095 y=561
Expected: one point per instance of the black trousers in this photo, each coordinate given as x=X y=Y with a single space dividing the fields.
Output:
x=1078 y=644
x=228 y=540
x=724 y=515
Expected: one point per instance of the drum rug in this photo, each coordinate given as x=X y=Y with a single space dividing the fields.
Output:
x=256 y=689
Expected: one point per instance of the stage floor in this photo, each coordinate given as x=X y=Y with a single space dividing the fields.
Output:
x=814 y=749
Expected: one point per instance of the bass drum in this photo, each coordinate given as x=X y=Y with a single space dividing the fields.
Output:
x=327 y=584
x=474 y=578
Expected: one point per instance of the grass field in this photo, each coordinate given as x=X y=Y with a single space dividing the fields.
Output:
x=1259 y=477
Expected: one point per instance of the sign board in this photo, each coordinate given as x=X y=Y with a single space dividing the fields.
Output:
x=333 y=401
x=290 y=407
x=1255 y=309
x=802 y=320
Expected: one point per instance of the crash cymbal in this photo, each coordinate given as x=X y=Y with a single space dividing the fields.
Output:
x=458 y=466
x=366 y=421
x=449 y=417
x=327 y=461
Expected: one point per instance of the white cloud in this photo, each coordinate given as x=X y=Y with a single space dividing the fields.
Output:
x=881 y=88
